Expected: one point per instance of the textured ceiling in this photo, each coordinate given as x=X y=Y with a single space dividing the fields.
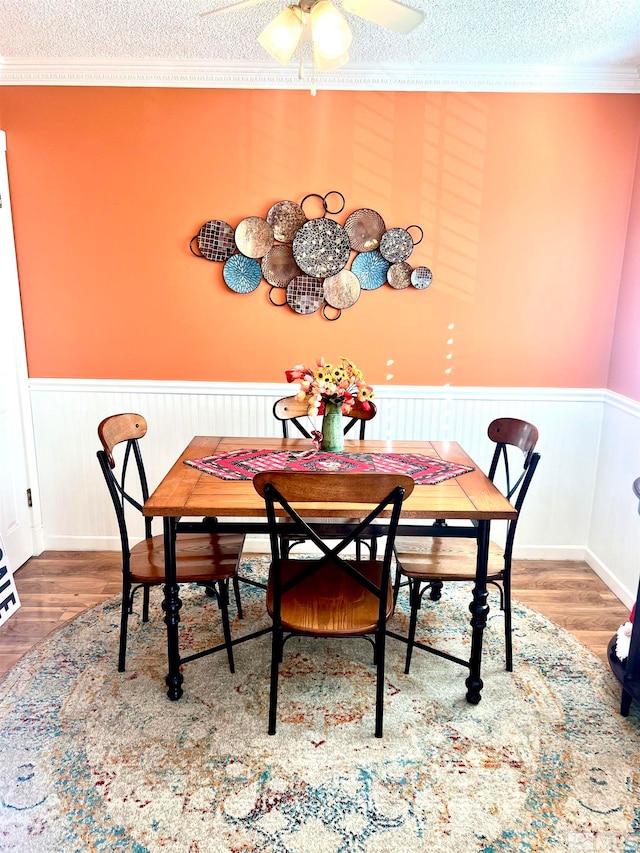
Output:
x=579 y=44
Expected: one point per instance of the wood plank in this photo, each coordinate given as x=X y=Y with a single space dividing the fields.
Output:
x=186 y=492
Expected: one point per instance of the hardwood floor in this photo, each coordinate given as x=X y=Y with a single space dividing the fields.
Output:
x=58 y=585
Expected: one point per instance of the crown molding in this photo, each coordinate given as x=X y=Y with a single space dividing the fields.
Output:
x=237 y=75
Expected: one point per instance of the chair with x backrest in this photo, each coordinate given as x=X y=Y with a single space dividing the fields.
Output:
x=331 y=595
x=290 y=410
x=206 y=559
x=427 y=563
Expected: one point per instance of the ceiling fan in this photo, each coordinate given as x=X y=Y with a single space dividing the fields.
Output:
x=320 y=23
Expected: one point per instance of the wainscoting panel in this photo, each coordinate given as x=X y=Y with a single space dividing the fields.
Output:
x=557 y=524
x=614 y=540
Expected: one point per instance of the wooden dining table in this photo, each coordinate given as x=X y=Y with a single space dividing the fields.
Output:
x=187 y=493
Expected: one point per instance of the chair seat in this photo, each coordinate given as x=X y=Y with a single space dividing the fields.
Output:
x=424 y=558
x=310 y=606
x=200 y=557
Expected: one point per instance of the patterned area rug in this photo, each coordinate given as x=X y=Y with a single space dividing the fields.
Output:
x=96 y=760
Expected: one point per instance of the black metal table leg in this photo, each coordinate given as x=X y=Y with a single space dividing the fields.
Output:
x=479 y=610
x=171 y=606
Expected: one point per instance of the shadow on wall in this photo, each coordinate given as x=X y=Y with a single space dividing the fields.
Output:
x=446 y=183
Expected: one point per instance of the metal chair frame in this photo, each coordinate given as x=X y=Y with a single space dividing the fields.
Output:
x=331 y=560
x=120 y=498
x=517 y=485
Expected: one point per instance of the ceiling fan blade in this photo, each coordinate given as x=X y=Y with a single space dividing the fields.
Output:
x=386 y=13
x=231 y=7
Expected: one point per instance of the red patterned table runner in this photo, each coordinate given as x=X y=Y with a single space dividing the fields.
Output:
x=243 y=464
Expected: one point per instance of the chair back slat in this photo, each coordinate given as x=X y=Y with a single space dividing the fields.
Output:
x=117 y=428
x=514 y=432
x=129 y=484
x=321 y=487
x=290 y=410
x=360 y=415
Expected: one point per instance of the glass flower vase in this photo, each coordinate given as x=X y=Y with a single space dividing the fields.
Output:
x=332 y=428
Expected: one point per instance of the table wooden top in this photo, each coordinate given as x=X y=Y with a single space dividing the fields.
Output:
x=185 y=491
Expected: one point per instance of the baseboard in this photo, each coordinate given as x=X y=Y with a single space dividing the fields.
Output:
x=81 y=543
x=254 y=544
x=625 y=595
x=549 y=552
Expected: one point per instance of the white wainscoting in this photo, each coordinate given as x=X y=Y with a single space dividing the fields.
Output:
x=580 y=505
x=614 y=530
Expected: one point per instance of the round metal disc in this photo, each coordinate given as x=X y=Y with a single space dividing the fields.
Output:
x=421 y=277
x=342 y=290
x=399 y=275
x=396 y=245
x=365 y=227
x=254 y=236
x=215 y=240
x=321 y=247
x=285 y=217
x=279 y=266
x=371 y=269
x=242 y=274
x=305 y=294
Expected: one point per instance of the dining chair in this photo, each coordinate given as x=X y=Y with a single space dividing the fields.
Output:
x=332 y=595
x=208 y=560
x=427 y=563
x=290 y=410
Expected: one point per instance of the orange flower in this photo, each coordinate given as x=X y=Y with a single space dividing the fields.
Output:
x=341 y=384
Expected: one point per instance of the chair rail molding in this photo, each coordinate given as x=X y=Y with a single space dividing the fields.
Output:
x=589 y=444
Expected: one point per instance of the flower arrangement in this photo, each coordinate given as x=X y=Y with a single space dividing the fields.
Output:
x=340 y=384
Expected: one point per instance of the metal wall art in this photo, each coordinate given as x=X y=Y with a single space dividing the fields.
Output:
x=315 y=263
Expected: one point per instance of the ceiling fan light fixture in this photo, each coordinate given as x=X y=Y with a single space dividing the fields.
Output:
x=390 y=14
x=330 y=32
x=281 y=37
x=324 y=63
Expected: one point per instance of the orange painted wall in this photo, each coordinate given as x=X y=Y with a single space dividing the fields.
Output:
x=524 y=201
x=624 y=371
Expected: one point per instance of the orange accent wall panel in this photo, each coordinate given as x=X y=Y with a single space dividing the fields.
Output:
x=524 y=200
x=624 y=372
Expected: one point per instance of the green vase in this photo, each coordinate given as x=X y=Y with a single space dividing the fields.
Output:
x=332 y=428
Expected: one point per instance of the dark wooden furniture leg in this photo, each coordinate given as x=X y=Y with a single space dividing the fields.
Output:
x=479 y=610
x=171 y=606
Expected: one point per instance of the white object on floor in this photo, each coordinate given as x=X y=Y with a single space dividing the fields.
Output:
x=623 y=641
x=9 y=601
